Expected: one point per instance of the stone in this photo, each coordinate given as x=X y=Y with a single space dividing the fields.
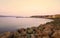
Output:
x=56 y=34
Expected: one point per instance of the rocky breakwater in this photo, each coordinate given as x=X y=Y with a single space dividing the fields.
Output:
x=48 y=30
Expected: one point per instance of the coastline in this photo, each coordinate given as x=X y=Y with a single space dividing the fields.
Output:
x=48 y=30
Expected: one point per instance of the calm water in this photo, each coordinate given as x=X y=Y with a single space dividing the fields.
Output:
x=11 y=24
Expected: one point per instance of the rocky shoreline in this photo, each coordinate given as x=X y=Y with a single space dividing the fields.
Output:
x=48 y=30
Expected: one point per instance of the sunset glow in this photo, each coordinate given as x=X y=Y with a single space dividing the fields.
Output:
x=29 y=7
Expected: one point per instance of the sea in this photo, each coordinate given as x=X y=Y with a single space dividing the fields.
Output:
x=12 y=23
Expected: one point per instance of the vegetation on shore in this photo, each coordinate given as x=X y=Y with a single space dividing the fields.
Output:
x=48 y=30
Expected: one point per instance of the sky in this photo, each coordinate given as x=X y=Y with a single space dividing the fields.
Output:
x=29 y=7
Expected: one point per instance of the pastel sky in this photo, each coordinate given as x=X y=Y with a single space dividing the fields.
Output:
x=29 y=7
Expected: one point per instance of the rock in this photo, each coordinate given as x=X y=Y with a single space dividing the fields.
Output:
x=28 y=35
x=16 y=35
x=38 y=36
x=5 y=35
x=29 y=30
x=21 y=30
x=56 y=34
x=45 y=37
x=41 y=27
x=32 y=36
x=49 y=26
x=47 y=32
